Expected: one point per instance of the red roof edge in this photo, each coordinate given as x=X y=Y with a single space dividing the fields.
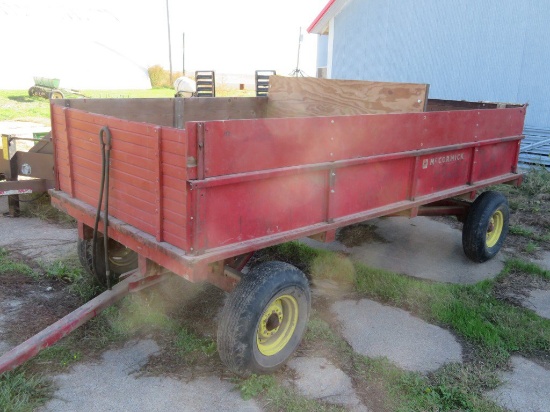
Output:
x=320 y=16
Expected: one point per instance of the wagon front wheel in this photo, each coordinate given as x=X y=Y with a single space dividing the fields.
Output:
x=264 y=319
x=121 y=259
x=486 y=226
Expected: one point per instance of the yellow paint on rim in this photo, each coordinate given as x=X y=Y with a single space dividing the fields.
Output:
x=277 y=325
x=494 y=231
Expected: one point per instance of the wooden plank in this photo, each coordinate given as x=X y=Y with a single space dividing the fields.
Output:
x=177 y=172
x=177 y=195
x=175 y=160
x=113 y=123
x=131 y=215
x=156 y=111
x=90 y=131
x=95 y=161
x=120 y=152
x=223 y=108
x=308 y=96
x=175 y=240
x=175 y=148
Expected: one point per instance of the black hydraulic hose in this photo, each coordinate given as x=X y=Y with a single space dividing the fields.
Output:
x=105 y=143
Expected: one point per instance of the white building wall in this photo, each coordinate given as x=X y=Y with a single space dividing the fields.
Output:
x=494 y=50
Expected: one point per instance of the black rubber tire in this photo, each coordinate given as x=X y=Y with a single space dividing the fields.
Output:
x=121 y=259
x=32 y=91
x=478 y=225
x=239 y=322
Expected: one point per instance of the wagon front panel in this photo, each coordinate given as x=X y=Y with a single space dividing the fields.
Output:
x=147 y=170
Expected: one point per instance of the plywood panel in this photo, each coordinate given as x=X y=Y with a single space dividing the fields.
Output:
x=308 y=96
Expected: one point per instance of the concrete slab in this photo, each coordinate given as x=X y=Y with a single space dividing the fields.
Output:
x=376 y=330
x=525 y=388
x=318 y=378
x=424 y=248
x=37 y=239
x=539 y=301
x=544 y=261
x=113 y=385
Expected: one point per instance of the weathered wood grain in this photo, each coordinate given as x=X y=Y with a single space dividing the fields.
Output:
x=220 y=108
x=307 y=96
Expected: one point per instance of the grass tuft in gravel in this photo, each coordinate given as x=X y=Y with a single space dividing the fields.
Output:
x=277 y=397
x=21 y=392
x=9 y=265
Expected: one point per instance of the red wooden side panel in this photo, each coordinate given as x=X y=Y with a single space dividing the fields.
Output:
x=496 y=159
x=143 y=192
x=443 y=170
x=274 y=175
x=174 y=172
x=246 y=145
x=369 y=186
x=248 y=210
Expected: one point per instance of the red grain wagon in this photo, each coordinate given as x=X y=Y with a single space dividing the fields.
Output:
x=195 y=186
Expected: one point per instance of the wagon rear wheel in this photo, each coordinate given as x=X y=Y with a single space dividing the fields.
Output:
x=264 y=319
x=486 y=226
x=121 y=259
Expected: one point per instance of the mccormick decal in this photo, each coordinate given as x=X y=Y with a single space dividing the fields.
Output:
x=439 y=160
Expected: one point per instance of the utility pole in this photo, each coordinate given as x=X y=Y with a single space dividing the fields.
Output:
x=183 y=54
x=169 y=41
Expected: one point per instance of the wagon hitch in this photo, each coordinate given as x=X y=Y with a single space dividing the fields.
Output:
x=134 y=281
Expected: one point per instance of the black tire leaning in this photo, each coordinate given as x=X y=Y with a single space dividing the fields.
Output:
x=245 y=313
x=486 y=226
x=121 y=259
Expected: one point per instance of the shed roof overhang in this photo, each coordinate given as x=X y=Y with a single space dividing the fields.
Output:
x=321 y=23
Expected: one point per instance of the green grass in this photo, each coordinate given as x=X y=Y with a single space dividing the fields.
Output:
x=20 y=392
x=9 y=265
x=18 y=105
x=279 y=398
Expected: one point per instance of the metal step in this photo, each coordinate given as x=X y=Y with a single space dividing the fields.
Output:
x=206 y=83
x=262 y=81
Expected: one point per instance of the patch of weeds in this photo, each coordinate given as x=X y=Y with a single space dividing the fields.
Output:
x=11 y=266
x=520 y=231
x=254 y=385
x=139 y=312
x=187 y=343
x=70 y=270
x=41 y=208
x=536 y=181
x=67 y=270
x=62 y=354
x=356 y=235
x=421 y=297
x=295 y=253
x=333 y=266
x=515 y=266
x=20 y=392
x=530 y=247
x=449 y=389
x=276 y=397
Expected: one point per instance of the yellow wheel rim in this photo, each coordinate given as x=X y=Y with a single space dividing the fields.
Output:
x=494 y=230
x=277 y=325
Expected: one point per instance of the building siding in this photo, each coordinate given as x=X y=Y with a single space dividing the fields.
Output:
x=495 y=50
